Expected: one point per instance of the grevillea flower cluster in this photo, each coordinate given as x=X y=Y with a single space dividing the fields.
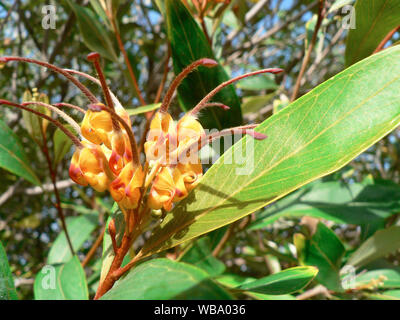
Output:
x=107 y=156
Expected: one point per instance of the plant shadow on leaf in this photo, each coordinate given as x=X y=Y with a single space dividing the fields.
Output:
x=182 y=218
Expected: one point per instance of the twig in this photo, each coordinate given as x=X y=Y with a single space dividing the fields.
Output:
x=56 y=193
x=3 y=22
x=128 y=64
x=319 y=289
x=321 y=14
x=224 y=240
x=386 y=39
x=94 y=247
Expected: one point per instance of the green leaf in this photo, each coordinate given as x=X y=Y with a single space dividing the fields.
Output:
x=79 y=230
x=386 y=295
x=200 y=255
x=176 y=280
x=367 y=205
x=188 y=43
x=7 y=288
x=265 y=82
x=390 y=278
x=143 y=109
x=62 y=144
x=323 y=250
x=12 y=155
x=312 y=137
x=65 y=281
x=94 y=35
x=254 y=103
x=379 y=245
x=284 y=282
x=374 y=20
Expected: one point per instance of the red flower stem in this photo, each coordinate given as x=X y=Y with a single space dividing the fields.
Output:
x=206 y=62
x=68 y=133
x=201 y=104
x=68 y=105
x=80 y=86
x=94 y=57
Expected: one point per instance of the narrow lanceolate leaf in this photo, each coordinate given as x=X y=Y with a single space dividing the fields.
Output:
x=7 y=288
x=188 y=43
x=314 y=136
x=374 y=20
x=79 y=230
x=65 y=281
x=286 y=281
x=175 y=280
x=12 y=155
x=379 y=245
x=94 y=35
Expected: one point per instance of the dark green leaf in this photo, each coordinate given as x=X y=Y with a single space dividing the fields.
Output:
x=188 y=43
x=93 y=33
x=7 y=288
x=12 y=155
x=176 y=280
x=286 y=281
x=200 y=255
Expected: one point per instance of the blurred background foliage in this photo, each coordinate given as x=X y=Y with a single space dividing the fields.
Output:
x=353 y=204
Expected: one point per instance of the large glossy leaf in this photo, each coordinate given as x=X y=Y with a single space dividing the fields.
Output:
x=200 y=255
x=374 y=20
x=188 y=43
x=94 y=35
x=386 y=295
x=79 y=230
x=286 y=281
x=379 y=245
x=12 y=155
x=314 y=136
x=364 y=204
x=324 y=250
x=7 y=288
x=175 y=280
x=65 y=281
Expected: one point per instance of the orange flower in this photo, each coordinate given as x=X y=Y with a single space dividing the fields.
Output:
x=97 y=127
x=89 y=166
x=121 y=152
x=174 y=184
x=161 y=139
x=189 y=131
x=125 y=189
